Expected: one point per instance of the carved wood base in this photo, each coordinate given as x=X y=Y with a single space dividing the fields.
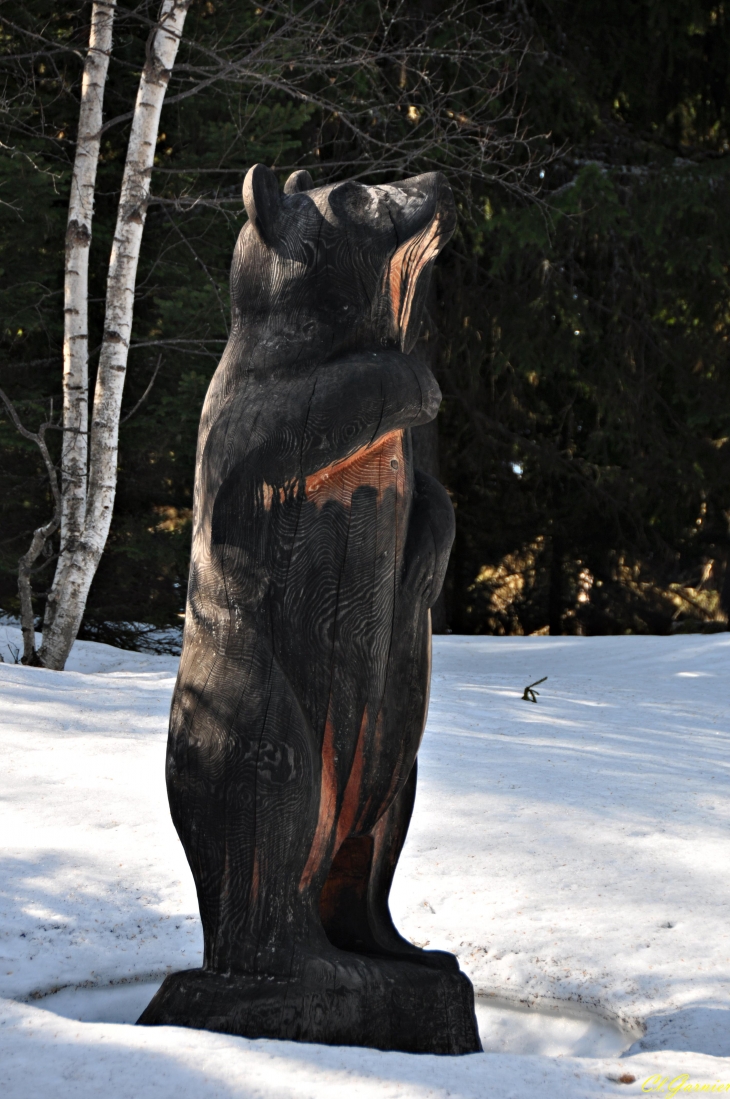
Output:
x=388 y=1005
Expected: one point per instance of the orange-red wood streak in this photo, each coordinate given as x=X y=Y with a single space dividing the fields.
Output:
x=381 y=466
x=281 y=493
x=327 y=805
x=351 y=798
x=405 y=267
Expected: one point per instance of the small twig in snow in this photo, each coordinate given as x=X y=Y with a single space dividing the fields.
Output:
x=529 y=694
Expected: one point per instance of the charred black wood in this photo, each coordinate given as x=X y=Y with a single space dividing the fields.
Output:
x=318 y=551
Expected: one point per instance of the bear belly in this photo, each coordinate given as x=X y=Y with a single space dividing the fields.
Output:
x=336 y=598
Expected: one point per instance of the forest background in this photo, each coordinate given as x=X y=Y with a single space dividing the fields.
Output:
x=578 y=326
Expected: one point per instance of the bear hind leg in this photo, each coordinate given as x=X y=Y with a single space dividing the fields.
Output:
x=354 y=900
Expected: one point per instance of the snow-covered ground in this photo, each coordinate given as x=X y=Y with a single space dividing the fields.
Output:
x=575 y=854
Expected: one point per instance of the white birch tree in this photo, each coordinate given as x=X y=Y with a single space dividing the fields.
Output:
x=74 y=449
x=88 y=491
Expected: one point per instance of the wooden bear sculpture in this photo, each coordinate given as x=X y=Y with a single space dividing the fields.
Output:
x=303 y=685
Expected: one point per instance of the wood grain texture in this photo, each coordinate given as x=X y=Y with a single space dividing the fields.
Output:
x=303 y=686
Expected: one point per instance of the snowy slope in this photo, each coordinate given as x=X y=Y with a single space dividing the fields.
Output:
x=573 y=852
x=579 y=848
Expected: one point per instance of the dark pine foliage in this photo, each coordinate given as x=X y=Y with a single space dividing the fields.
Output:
x=584 y=343
x=582 y=340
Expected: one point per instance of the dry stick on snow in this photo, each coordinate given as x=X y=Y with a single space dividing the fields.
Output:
x=529 y=693
x=40 y=535
x=71 y=584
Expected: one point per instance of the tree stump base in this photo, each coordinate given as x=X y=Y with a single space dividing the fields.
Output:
x=387 y=1005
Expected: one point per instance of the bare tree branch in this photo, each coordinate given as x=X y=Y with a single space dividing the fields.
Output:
x=144 y=396
x=40 y=536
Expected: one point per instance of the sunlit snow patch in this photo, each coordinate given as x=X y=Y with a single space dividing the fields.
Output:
x=122 y=1003
x=506 y=1027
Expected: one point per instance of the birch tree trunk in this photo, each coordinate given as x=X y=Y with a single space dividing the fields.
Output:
x=76 y=282
x=72 y=582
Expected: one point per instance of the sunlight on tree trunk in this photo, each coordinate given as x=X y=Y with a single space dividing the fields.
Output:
x=67 y=599
x=74 y=454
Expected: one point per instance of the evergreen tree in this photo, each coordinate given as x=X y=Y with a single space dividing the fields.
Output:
x=584 y=351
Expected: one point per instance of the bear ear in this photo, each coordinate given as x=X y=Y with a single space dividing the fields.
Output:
x=298 y=181
x=262 y=200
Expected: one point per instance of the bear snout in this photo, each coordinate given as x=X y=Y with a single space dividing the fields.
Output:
x=414 y=203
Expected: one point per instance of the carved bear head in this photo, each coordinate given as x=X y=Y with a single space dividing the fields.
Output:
x=320 y=271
